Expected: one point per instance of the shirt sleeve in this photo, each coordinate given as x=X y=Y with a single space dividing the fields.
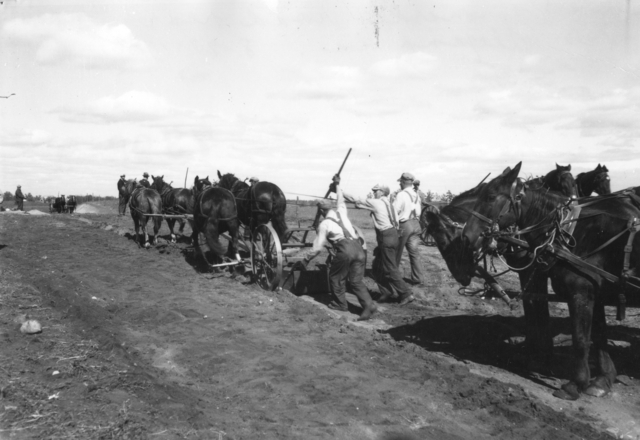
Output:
x=360 y=203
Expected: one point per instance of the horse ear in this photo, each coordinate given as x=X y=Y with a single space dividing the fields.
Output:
x=557 y=166
x=511 y=175
x=195 y=180
x=219 y=175
x=598 y=167
x=569 y=167
x=506 y=171
x=604 y=168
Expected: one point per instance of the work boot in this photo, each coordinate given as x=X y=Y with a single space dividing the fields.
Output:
x=385 y=297
x=406 y=299
x=368 y=311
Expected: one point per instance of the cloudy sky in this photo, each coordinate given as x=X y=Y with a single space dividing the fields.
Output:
x=448 y=90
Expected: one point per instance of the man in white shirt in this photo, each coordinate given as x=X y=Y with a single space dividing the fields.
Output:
x=349 y=260
x=385 y=268
x=408 y=207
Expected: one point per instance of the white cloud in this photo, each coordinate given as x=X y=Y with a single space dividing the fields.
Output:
x=414 y=65
x=132 y=106
x=76 y=39
x=334 y=82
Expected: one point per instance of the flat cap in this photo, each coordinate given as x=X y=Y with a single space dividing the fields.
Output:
x=383 y=188
x=122 y=175
x=416 y=182
x=406 y=176
x=145 y=174
x=253 y=179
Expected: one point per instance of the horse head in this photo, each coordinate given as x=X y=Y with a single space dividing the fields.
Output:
x=561 y=180
x=200 y=185
x=602 y=181
x=159 y=184
x=492 y=208
x=129 y=186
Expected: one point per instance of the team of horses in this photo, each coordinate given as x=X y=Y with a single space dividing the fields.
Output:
x=63 y=204
x=586 y=246
x=211 y=210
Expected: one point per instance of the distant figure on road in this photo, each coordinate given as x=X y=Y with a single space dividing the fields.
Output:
x=19 y=198
x=122 y=200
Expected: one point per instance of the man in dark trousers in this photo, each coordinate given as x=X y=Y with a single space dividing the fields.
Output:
x=122 y=201
x=408 y=207
x=349 y=261
x=19 y=198
x=385 y=268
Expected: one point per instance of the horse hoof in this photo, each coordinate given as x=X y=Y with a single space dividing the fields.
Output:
x=568 y=392
x=596 y=392
x=173 y=238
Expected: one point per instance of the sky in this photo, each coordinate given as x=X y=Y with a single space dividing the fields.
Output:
x=446 y=90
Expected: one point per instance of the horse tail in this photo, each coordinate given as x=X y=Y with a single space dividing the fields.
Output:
x=155 y=207
x=278 y=209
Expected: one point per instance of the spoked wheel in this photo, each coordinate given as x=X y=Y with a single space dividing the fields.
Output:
x=266 y=257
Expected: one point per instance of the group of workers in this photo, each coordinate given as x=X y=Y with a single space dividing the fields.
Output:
x=396 y=218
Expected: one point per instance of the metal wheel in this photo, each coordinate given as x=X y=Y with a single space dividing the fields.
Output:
x=266 y=257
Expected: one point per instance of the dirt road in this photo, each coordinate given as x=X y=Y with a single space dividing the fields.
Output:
x=139 y=344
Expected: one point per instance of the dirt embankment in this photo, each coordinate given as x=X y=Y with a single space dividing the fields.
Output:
x=139 y=344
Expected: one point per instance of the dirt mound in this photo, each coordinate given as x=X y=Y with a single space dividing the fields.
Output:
x=86 y=208
x=37 y=212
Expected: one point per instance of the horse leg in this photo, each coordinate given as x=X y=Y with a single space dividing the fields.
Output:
x=144 y=231
x=581 y=315
x=234 y=228
x=171 y=223
x=538 y=340
x=157 y=224
x=136 y=225
x=602 y=384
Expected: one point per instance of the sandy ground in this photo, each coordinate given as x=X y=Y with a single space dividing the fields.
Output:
x=138 y=343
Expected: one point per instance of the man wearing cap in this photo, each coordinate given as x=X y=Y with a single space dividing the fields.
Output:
x=416 y=188
x=145 y=180
x=408 y=207
x=385 y=268
x=122 y=202
x=349 y=261
x=253 y=180
x=19 y=198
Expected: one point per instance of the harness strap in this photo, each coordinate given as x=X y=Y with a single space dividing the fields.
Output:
x=339 y=222
x=392 y=214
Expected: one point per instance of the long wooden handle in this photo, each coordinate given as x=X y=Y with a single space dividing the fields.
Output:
x=316 y=222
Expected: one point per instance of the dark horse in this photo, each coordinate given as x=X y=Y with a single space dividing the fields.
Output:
x=175 y=201
x=445 y=226
x=594 y=181
x=214 y=213
x=144 y=201
x=58 y=205
x=71 y=204
x=257 y=204
x=580 y=266
x=560 y=180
